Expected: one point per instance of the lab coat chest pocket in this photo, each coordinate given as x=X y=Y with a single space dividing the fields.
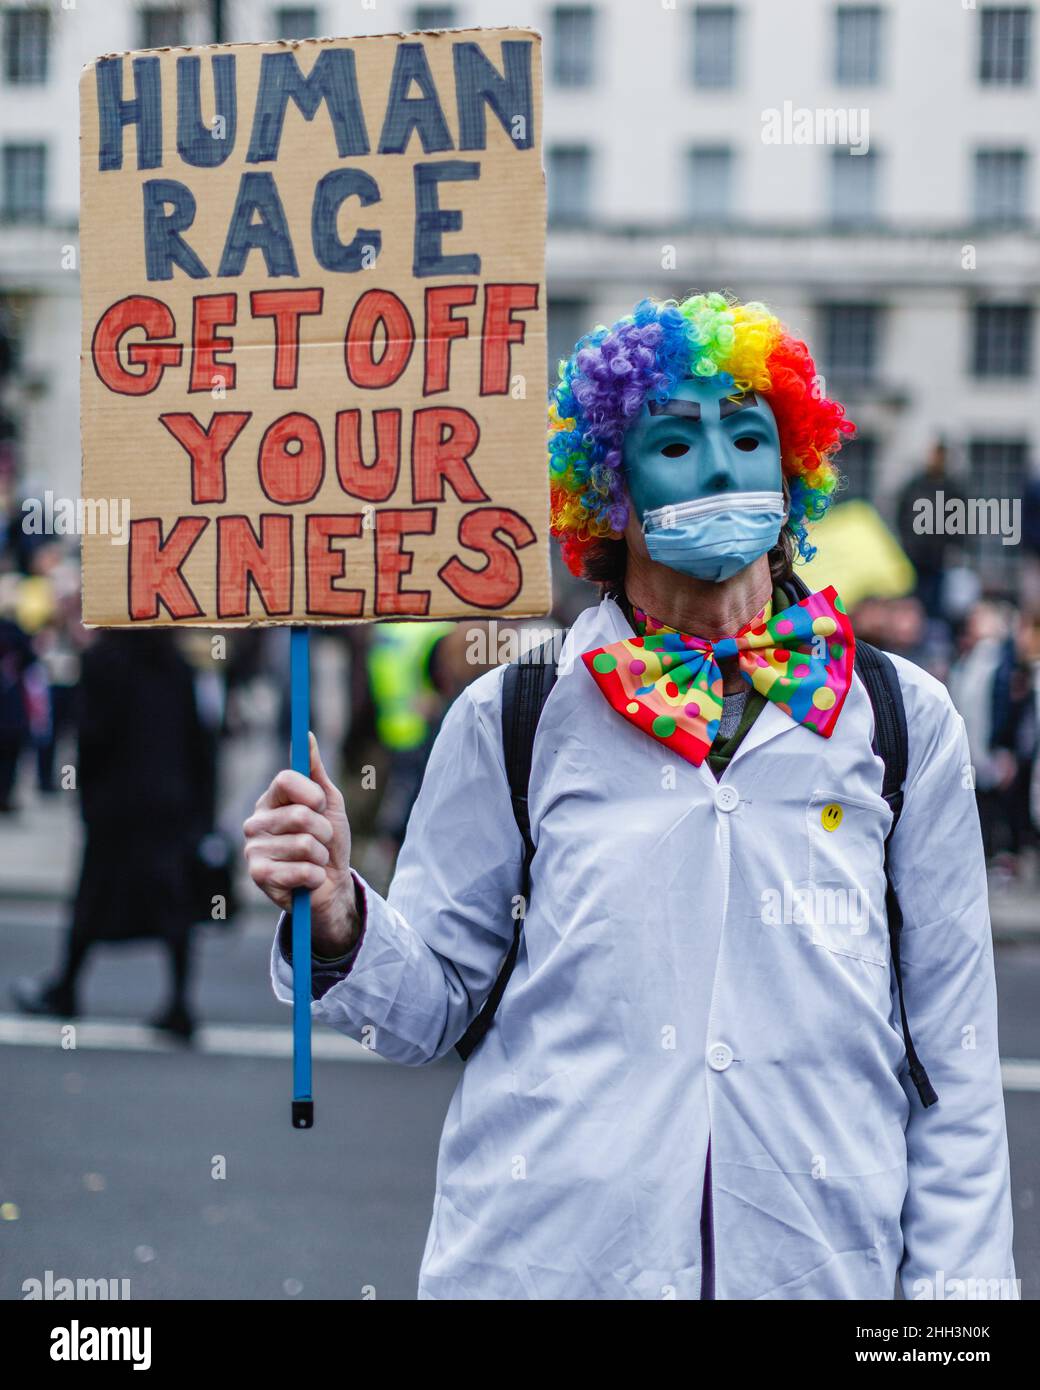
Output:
x=845 y=908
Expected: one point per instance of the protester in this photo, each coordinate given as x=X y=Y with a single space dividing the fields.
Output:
x=146 y=771
x=697 y=1083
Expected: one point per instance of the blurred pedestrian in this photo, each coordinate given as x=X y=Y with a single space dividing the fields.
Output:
x=60 y=660
x=926 y=543
x=16 y=660
x=408 y=709
x=977 y=688
x=146 y=777
x=51 y=596
x=1017 y=731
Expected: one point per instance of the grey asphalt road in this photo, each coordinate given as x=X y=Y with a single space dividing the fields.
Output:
x=111 y=1158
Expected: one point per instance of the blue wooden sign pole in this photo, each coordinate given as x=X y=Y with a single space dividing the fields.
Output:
x=300 y=723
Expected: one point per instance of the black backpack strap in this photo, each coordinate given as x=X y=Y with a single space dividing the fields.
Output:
x=878 y=673
x=525 y=689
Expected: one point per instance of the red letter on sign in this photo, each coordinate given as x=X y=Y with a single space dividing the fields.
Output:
x=292 y=475
x=137 y=311
x=325 y=565
x=498 y=583
x=207 y=449
x=374 y=482
x=155 y=568
x=212 y=311
x=267 y=561
x=285 y=307
x=443 y=437
x=441 y=327
x=500 y=330
x=392 y=562
x=373 y=308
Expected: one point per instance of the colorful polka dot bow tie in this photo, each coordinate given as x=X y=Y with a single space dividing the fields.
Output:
x=669 y=684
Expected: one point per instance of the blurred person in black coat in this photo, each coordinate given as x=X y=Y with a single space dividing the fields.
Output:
x=16 y=657
x=146 y=775
x=929 y=549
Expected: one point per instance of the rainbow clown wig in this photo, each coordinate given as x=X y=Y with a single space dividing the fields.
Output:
x=612 y=372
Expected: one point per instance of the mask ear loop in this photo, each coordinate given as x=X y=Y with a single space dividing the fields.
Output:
x=785 y=488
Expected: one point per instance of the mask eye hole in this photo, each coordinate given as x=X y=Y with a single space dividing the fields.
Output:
x=747 y=443
x=675 y=451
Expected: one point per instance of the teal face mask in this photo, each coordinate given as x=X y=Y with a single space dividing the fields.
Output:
x=704 y=476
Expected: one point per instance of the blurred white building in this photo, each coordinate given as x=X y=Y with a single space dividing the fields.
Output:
x=901 y=238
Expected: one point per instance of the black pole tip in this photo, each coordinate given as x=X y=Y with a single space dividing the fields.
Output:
x=303 y=1114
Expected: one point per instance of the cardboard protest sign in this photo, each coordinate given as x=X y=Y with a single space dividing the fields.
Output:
x=313 y=353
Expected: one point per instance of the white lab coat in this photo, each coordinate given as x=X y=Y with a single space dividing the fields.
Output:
x=669 y=986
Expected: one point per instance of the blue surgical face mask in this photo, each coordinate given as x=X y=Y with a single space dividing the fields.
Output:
x=714 y=537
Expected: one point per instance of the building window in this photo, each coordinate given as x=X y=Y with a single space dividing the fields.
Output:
x=436 y=17
x=857 y=463
x=851 y=334
x=999 y=468
x=162 y=26
x=568 y=320
x=569 y=184
x=1003 y=340
x=26 y=35
x=710 y=184
x=1006 y=36
x=573 y=40
x=1000 y=186
x=25 y=182
x=714 y=45
x=296 y=21
x=854 y=187
x=857 y=59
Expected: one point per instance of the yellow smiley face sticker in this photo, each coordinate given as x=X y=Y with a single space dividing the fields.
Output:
x=831 y=816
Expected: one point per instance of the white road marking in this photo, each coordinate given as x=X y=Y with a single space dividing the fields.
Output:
x=1020 y=1076
x=270 y=1040
x=215 y=1039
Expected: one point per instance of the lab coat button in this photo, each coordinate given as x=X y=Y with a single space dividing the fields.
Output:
x=719 y=1056
x=727 y=798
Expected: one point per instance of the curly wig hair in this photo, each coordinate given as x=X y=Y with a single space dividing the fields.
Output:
x=612 y=372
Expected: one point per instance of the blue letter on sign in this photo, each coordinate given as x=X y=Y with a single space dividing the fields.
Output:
x=164 y=247
x=198 y=143
x=478 y=81
x=431 y=220
x=332 y=191
x=405 y=114
x=145 y=111
x=332 y=79
x=257 y=193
